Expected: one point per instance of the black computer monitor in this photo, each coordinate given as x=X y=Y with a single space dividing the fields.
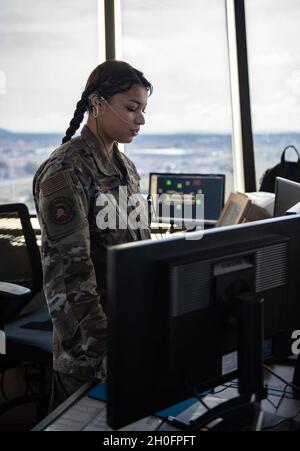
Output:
x=287 y=194
x=172 y=310
x=212 y=186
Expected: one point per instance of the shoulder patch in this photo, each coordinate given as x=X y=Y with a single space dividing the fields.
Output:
x=54 y=184
x=60 y=205
x=61 y=210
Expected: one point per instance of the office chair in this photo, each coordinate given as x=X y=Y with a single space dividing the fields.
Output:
x=18 y=244
x=28 y=336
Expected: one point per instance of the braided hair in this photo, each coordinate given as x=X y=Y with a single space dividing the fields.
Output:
x=107 y=79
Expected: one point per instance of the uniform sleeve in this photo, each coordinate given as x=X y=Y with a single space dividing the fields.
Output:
x=69 y=277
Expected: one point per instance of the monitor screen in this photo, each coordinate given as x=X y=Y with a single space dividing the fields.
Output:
x=172 y=310
x=212 y=186
x=287 y=194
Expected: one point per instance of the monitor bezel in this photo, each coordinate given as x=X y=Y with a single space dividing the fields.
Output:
x=185 y=174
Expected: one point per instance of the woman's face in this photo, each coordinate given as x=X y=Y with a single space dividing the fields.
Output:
x=123 y=116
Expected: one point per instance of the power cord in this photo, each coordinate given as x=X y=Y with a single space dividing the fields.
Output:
x=200 y=398
x=289 y=384
x=281 y=398
x=221 y=390
x=272 y=390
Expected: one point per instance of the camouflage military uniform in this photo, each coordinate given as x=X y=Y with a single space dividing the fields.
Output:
x=66 y=188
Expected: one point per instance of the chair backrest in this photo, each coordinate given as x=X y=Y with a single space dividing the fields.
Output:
x=12 y=300
x=20 y=260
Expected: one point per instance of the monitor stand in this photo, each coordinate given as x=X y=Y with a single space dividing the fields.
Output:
x=250 y=318
x=244 y=410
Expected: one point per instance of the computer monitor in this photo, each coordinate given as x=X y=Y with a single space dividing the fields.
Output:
x=172 y=310
x=287 y=194
x=212 y=186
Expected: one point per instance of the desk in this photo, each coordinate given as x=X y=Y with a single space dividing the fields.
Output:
x=82 y=413
x=161 y=230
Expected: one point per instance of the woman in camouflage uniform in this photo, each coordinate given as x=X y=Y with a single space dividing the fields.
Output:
x=67 y=190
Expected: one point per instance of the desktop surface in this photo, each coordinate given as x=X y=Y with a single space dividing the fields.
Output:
x=83 y=413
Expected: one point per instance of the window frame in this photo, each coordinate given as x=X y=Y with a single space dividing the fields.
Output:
x=242 y=135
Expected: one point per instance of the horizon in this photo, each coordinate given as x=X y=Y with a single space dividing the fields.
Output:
x=54 y=133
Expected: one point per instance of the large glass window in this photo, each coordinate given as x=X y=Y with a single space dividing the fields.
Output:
x=274 y=68
x=48 y=49
x=182 y=49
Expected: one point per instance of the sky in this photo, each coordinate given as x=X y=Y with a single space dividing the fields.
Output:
x=48 y=48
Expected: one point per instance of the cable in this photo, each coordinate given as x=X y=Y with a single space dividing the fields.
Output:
x=278 y=392
x=112 y=165
x=281 y=399
x=107 y=153
x=216 y=392
x=172 y=421
x=163 y=421
x=272 y=403
x=200 y=398
x=295 y=387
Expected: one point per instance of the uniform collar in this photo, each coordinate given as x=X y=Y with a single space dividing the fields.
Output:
x=99 y=152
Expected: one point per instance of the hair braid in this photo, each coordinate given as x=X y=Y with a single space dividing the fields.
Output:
x=75 y=122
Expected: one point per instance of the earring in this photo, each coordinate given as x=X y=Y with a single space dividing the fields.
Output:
x=95 y=111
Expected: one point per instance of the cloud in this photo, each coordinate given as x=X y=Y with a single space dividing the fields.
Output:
x=48 y=49
x=293 y=82
x=2 y=82
x=272 y=59
x=276 y=116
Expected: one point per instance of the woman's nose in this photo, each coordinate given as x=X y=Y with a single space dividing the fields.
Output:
x=140 y=119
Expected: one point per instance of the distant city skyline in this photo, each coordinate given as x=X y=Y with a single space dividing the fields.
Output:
x=48 y=50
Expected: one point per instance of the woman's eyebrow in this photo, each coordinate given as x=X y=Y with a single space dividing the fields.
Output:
x=136 y=101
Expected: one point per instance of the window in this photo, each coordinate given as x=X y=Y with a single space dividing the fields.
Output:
x=47 y=51
x=274 y=70
x=182 y=50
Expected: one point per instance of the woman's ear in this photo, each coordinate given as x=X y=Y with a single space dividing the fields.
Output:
x=102 y=104
x=97 y=103
x=93 y=100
